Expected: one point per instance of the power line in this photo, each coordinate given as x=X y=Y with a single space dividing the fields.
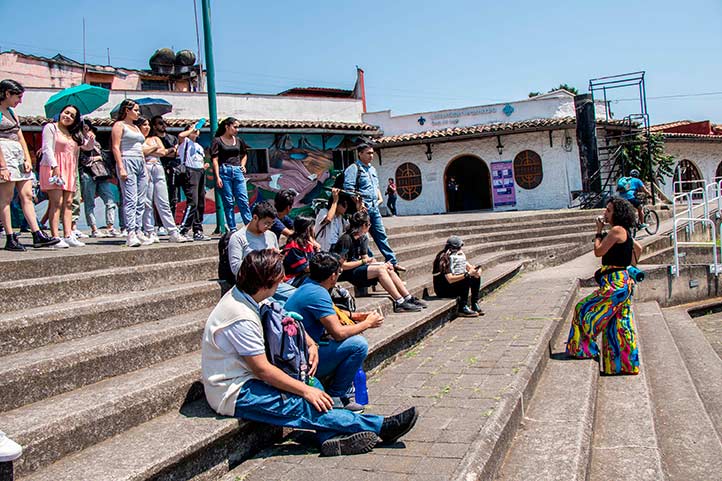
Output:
x=676 y=96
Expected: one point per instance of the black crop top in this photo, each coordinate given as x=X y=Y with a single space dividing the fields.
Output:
x=619 y=254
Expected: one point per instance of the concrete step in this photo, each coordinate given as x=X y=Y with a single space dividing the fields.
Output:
x=703 y=363
x=559 y=419
x=419 y=224
x=98 y=254
x=63 y=367
x=194 y=440
x=689 y=444
x=503 y=241
x=625 y=444
x=36 y=327
x=496 y=229
x=30 y=293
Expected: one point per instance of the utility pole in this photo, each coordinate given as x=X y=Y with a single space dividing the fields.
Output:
x=212 y=111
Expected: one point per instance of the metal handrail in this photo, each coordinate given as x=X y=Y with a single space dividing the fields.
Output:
x=714 y=268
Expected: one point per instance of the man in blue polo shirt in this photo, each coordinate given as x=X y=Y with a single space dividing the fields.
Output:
x=342 y=350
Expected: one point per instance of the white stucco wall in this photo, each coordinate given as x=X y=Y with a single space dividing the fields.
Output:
x=190 y=105
x=561 y=172
x=705 y=155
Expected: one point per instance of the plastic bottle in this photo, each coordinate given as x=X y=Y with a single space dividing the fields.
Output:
x=359 y=383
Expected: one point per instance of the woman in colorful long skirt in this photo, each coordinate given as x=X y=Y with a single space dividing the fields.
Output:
x=608 y=310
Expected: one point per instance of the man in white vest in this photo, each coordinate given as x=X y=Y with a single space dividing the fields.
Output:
x=239 y=380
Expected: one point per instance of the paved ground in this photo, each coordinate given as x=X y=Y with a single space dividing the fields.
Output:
x=711 y=327
x=457 y=378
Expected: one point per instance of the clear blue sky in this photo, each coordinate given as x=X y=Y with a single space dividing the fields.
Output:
x=418 y=55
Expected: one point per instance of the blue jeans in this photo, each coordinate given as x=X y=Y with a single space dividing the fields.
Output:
x=378 y=233
x=104 y=190
x=234 y=192
x=257 y=401
x=342 y=360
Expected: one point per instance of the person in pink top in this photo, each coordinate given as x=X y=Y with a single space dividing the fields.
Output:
x=58 y=171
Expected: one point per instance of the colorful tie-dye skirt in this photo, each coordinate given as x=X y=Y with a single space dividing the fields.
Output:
x=607 y=311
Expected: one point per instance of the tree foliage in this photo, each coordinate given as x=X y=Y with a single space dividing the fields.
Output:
x=566 y=87
x=636 y=155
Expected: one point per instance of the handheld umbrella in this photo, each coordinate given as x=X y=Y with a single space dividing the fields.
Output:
x=149 y=107
x=86 y=97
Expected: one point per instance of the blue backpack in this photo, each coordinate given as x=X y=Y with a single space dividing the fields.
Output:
x=285 y=340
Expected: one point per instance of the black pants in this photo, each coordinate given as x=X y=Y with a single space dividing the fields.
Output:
x=194 y=188
x=391 y=204
x=461 y=289
x=171 y=182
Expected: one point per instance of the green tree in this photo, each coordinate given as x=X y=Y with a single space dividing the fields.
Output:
x=566 y=87
x=636 y=155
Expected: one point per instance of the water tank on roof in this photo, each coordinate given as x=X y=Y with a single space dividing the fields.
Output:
x=162 y=61
x=185 y=58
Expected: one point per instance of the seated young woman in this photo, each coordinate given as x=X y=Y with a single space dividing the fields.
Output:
x=299 y=250
x=362 y=271
x=454 y=277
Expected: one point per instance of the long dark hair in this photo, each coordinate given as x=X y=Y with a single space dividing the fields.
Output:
x=125 y=105
x=357 y=222
x=624 y=214
x=302 y=230
x=76 y=128
x=223 y=124
x=9 y=86
x=442 y=258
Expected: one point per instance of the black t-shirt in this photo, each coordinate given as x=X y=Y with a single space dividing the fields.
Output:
x=228 y=154
x=169 y=141
x=351 y=249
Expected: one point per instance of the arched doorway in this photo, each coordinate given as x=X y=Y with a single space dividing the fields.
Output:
x=687 y=176
x=467 y=184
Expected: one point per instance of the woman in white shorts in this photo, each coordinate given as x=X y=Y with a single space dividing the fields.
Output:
x=16 y=170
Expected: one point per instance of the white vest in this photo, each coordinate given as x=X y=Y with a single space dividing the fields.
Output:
x=223 y=374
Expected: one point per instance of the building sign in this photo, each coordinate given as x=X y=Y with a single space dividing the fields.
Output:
x=453 y=117
x=502 y=183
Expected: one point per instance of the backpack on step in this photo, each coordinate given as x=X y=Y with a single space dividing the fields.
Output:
x=224 y=263
x=285 y=341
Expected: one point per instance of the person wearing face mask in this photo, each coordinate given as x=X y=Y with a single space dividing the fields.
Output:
x=16 y=170
x=193 y=182
x=62 y=141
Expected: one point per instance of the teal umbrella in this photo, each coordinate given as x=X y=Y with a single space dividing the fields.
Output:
x=86 y=97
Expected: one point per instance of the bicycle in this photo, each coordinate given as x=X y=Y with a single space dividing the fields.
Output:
x=650 y=218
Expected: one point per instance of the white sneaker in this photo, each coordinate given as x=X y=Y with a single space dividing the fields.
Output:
x=98 y=234
x=176 y=236
x=73 y=241
x=154 y=237
x=162 y=231
x=79 y=235
x=61 y=245
x=132 y=240
x=9 y=449
x=144 y=239
x=123 y=232
x=112 y=232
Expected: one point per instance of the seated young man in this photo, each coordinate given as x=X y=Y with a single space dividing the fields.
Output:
x=239 y=380
x=342 y=350
x=362 y=271
x=283 y=224
x=330 y=223
x=253 y=237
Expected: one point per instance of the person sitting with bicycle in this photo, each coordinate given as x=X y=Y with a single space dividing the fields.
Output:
x=628 y=187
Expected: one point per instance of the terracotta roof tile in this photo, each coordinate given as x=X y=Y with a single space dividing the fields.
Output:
x=245 y=124
x=489 y=129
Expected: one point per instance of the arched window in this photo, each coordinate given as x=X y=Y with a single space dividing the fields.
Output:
x=528 y=169
x=408 y=181
x=687 y=176
x=718 y=173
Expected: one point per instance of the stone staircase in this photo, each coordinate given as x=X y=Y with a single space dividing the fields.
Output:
x=100 y=359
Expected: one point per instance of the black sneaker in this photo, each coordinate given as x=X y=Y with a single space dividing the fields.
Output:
x=13 y=244
x=41 y=239
x=396 y=426
x=465 y=312
x=419 y=302
x=344 y=444
x=200 y=236
x=406 y=306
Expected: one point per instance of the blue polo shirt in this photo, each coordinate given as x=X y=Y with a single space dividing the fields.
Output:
x=312 y=302
x=632 y=185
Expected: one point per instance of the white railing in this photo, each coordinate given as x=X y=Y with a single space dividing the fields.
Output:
x=713 y=268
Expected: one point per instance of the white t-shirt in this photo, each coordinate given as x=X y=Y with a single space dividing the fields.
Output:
x=329 y=234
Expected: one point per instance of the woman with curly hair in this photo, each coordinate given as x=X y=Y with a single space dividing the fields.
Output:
x=608 y=310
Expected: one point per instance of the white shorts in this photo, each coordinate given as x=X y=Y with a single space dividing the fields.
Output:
x=14 y=159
